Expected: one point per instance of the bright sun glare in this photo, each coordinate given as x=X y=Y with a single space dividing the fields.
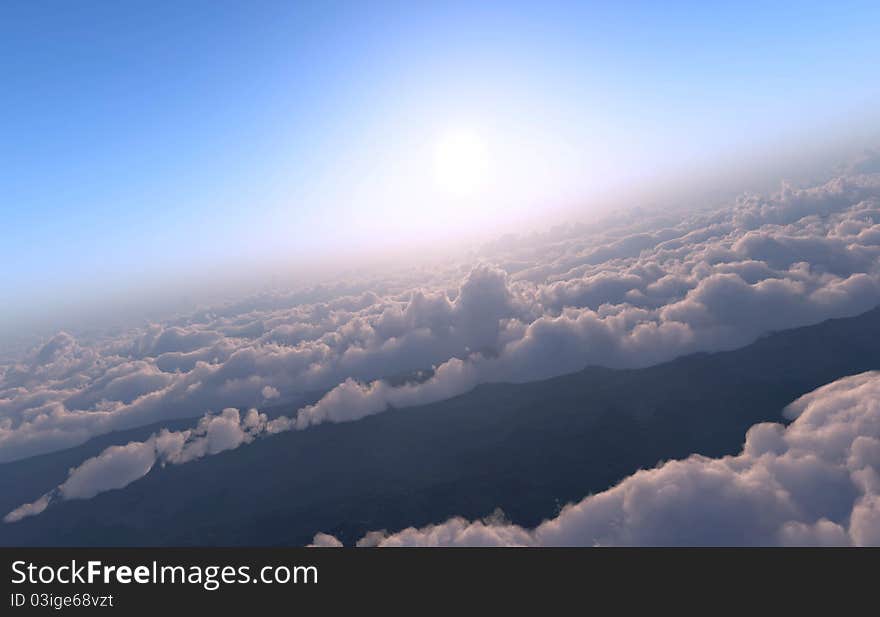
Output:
x=461 y=163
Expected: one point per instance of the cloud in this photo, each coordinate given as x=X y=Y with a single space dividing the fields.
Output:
x=270 y=393
x=813 y=482
x=632 y=290
x=326 y=541
x=29 y=509
x=119 y=466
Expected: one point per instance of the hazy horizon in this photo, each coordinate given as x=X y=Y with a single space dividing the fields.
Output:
x=101 y=304
x=128 y=192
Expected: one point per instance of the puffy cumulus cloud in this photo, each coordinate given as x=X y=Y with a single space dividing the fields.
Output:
x=158 y=340
x=29 y=509
x=115 y=467
x=632 y=290
x=813 y=482
x=352 y=400
x=324 y=540
x=68 y=390
x=119 y=466
x=270 y=393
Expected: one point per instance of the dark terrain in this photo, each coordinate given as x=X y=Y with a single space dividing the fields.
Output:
x=526 y=448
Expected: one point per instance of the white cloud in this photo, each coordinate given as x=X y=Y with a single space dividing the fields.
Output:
x=326 y=541
x=629 y=291
x=270 y=393
x=118 y=466
x=29 y=509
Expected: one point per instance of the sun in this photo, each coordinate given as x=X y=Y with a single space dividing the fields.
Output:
x=461 y=163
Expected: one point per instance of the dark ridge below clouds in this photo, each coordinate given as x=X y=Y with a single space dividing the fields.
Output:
x=526 y=448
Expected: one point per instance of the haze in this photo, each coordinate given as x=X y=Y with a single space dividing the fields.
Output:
x=155 y=158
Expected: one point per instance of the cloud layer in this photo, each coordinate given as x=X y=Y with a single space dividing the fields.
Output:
x=118 y=466
x=632 y=291
x=814 y=482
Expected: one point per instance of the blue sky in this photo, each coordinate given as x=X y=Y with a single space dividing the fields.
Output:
x=145 y=139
